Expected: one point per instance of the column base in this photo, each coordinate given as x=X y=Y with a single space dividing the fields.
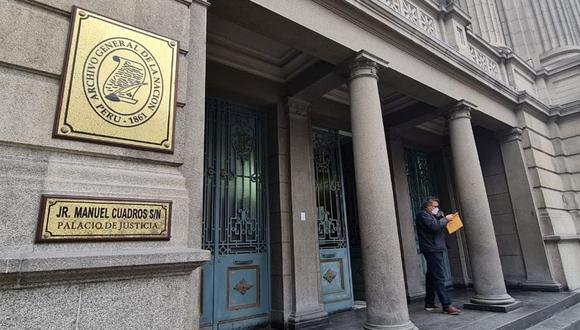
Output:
x=503 y=299
x=494 y=308
x=548 y=286
x=308 y=321
x=406 y=326
x=499 y=303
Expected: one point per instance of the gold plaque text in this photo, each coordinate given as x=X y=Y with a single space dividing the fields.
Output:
x=89 y=219
x=118 y=86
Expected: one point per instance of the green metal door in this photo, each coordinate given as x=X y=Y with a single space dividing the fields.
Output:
x=422 y=185
x=235 y=284
x=336 y=283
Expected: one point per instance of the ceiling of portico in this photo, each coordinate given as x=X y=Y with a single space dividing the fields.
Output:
x=246 y=50
x=394 y=105
x=236 y=43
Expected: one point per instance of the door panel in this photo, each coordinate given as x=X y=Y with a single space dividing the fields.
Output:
x=336 y=282
x=236 y=289
x=336 y=285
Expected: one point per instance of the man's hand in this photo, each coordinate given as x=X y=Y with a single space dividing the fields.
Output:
x=449 y=217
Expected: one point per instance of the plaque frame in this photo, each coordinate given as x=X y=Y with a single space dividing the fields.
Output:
x=108 y=140
x=43 y=208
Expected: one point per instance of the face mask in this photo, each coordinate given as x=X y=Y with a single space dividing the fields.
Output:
x=435 y=211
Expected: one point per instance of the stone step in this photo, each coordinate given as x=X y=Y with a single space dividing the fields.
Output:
x=568 y=319
x=524 y=317
x=535 y=318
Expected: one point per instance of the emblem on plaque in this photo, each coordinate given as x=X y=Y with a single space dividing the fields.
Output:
x=125 y=81
x=118 y=86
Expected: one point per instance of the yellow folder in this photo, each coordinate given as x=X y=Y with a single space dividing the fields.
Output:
x=454 y=224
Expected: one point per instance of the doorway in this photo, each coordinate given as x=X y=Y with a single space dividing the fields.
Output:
x=422 y=185
x=235 y=284
x=336 y=282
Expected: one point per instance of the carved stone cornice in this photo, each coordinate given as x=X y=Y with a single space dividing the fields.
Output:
x=510 y=135
x=362 y=67
x=298 y=108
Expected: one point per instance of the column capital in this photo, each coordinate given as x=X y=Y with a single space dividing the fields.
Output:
x=510 y=135
x=461 y=109
x=362 y=67
x=298 y=108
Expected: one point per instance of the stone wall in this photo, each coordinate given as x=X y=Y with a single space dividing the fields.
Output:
x=95 y=285
x=551 y=150
x=501 y=209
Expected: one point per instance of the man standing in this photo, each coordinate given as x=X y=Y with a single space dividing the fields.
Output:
x=431 y=224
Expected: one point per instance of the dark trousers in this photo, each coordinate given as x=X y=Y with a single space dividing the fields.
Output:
x=435 y=279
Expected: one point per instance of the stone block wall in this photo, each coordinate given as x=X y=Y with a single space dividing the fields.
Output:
x=501 y=209
x=551 y=150
x=134 y=284
x=563 y=85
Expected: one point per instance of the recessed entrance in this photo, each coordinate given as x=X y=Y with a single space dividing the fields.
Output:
x=235 y=284
x=336 y=281
x=422 y=185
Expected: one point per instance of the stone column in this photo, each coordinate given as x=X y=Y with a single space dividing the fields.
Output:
x=383 y=271
x=411 y=261
x=307 y=309
x=485 y=20
x=490 y=290
x=539 y=276
x=545 y=31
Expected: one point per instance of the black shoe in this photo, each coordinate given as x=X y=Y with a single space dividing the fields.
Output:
x=431 y=307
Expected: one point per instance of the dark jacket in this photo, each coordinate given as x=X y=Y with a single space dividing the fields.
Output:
x=431 y=231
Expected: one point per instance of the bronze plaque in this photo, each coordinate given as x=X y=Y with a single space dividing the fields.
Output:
x=118 y=85
x=65 y=218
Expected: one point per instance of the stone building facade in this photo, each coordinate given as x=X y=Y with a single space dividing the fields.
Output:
x=307 y=133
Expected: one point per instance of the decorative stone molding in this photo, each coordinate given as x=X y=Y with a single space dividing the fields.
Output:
x=510 y=135
x=33 y=269
x=413 y=14
x=298 y=108
x=484 y=62
x=361 y=67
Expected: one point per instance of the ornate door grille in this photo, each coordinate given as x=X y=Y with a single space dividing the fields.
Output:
x=329 y=198
x=234 y=219
x=420 y=178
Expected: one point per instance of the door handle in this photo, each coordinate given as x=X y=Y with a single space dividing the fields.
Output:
x=330 y=255
x=243 y=262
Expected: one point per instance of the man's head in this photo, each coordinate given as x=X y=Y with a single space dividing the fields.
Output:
x=430 y=205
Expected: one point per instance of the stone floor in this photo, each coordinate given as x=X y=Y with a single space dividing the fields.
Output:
x=536 y=307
